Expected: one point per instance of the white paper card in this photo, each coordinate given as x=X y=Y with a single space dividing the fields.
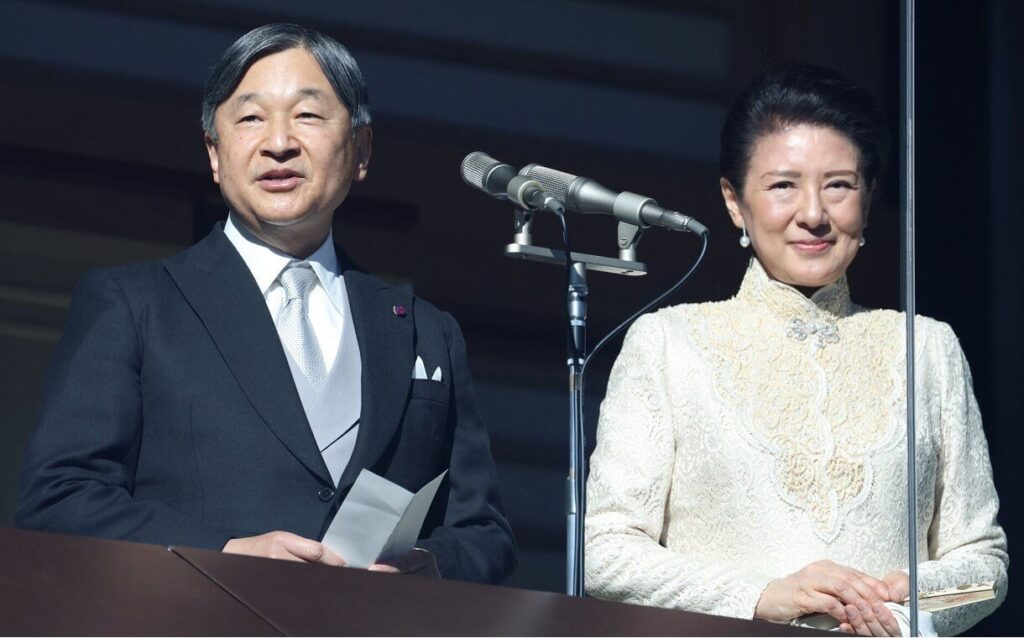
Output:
x=379 y=520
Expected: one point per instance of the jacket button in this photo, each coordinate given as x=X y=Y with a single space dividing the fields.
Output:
x=325 y=494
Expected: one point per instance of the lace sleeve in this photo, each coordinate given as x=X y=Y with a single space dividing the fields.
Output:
x=965 y=542
x=631 y=475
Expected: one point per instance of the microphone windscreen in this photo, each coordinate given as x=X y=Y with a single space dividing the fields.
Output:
x=554 y=183
x=475 y=167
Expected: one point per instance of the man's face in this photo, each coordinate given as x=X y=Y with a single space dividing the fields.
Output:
x=285 y=154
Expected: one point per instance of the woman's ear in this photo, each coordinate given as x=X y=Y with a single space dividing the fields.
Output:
x=866 y=204
x=732 y=202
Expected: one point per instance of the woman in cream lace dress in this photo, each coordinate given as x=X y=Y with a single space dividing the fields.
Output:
x=751 y=453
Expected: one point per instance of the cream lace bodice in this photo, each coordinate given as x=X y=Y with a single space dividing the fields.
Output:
x=741 y=440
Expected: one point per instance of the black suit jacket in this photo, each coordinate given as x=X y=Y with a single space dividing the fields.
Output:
x=170 y=416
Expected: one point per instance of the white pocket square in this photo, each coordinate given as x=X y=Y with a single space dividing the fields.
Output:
x=419 y=371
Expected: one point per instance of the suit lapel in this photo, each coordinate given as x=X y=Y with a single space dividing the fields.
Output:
x=218 y=285
x=387 y=352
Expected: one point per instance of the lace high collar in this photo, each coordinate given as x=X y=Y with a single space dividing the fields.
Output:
x=828 y=304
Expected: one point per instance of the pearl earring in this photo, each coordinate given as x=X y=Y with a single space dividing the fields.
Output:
x=862 y=241
x=745 y=240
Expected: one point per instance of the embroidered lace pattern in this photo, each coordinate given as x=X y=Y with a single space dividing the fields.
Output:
x=819 y=449
x=732 y=452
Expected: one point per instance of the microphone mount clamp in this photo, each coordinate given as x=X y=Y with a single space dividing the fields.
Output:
x=625 y=264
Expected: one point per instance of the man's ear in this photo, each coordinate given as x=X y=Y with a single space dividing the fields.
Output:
x=732 y=202
x=211 y=150
x=363 y=151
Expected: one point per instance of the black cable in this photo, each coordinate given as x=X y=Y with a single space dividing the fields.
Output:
x=575 y=355
x=654 y=302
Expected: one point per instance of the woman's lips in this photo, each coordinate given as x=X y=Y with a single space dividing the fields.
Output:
x=811 y=247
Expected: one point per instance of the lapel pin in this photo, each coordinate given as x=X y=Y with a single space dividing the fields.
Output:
x=399 y=310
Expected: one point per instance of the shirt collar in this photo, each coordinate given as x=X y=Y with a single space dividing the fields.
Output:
x=266 y=262
x=831 y=301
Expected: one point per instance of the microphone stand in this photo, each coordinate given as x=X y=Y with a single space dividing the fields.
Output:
x=576 y=265
x=576 y=492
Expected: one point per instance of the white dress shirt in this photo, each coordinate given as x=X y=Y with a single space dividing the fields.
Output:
x=327 y=300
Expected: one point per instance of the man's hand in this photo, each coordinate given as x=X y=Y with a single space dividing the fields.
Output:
x=852 y=597
x=415 y=561
x=284 y=546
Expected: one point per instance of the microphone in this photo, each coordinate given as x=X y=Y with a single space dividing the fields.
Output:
x=501 y=181
x=584 y=195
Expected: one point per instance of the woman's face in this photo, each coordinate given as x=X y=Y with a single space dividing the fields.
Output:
x=804 y=204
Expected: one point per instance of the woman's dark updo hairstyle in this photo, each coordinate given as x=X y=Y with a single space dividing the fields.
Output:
x=802 y=94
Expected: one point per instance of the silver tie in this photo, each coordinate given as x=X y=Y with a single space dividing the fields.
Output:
x=293 y=324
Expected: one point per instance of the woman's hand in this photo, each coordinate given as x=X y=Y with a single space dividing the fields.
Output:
x=852 y=597
x=899 y=585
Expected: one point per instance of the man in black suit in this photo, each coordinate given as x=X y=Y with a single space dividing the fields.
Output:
x=229 y=396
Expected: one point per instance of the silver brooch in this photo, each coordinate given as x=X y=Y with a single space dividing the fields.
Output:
x=824 y=331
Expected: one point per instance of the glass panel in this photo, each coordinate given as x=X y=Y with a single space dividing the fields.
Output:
x=967 y=258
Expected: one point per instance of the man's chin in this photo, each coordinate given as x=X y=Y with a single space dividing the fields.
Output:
x=285 y=221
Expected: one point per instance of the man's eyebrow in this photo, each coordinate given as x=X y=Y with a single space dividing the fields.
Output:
x=312 y=92
x=245 y=97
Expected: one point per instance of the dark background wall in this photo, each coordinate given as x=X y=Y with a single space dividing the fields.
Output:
x=101 y=162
